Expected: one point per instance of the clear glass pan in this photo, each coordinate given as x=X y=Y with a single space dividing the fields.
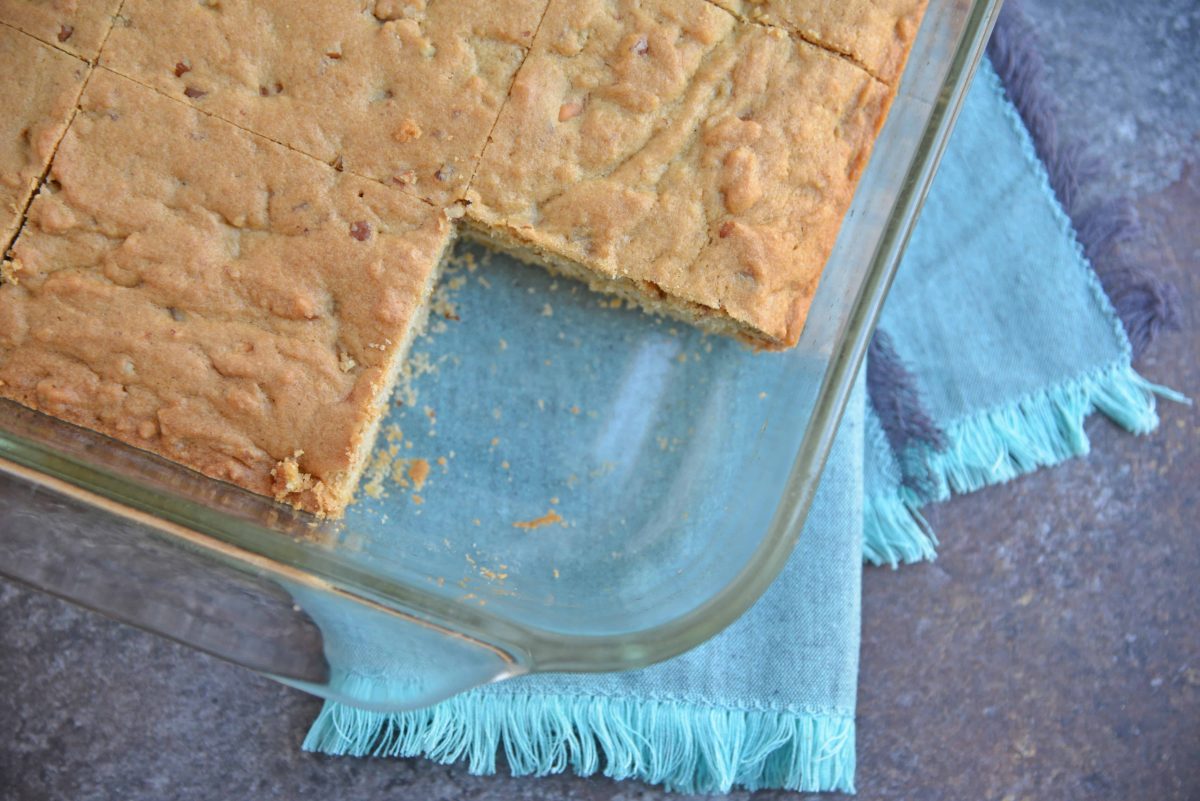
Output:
x=613 y=489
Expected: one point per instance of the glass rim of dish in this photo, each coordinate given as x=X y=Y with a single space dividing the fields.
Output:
x=539 y=650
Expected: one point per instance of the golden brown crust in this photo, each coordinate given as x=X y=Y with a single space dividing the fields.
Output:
x=203 y=292
x=877 y=34
x=391 y=89
x=38 y=89
x=77 y=26
x=211 y=296
x=670 y=146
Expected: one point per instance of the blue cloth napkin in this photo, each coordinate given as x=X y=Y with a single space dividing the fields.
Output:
x=1004 y=328
x=998 y=342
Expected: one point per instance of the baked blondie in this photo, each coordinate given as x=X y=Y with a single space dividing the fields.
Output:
x=668 y=152
x=206 y=294
x=402 y=91
x=241 y=227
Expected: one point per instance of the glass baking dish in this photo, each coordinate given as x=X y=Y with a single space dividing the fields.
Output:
x=605 y=489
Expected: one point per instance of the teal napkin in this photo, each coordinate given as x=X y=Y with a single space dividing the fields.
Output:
x=1004 y=328
x=1001 y=341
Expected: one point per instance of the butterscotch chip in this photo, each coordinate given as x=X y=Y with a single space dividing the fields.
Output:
x=78 y=26
x=38 y=89
x=877 y=34
x=702 y=165
x=201 y=292
x=386 y=89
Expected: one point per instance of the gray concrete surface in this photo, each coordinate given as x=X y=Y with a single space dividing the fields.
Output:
x=1053 y=652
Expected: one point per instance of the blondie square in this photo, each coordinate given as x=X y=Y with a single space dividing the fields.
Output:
x=697 y=164
x=38 y=90
x=403 y=91
x=876 y=34
x=211 y=296
x=77 y=26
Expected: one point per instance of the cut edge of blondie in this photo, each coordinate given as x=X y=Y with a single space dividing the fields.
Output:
x=330 y=497
x=644 y=294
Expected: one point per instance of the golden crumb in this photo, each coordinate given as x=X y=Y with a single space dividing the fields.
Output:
x=289 y=478
x=418 y=472
x=547 y=519
x=440 y=303
x=492 y=575
x=416 y=365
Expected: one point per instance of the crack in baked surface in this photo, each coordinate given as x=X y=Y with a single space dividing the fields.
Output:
x=403 y=92
x=874 y=34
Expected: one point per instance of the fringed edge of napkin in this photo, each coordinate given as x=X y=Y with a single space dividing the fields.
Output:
x=685 y=748
x=1002 y=444
x=1048 y=427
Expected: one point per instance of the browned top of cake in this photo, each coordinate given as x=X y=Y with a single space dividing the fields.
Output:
x=38 y=90
x=209 y=295
x=397 y=90
x=877 y=34
x=195 y=281
x=78 y=26
x=664 y=143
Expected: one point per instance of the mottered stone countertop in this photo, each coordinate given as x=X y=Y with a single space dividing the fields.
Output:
x=1053 y=651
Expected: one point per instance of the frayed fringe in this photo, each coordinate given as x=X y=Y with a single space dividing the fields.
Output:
x=894 y=531
x=1042 y=429
x=1001 y=444
x=684 y=748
